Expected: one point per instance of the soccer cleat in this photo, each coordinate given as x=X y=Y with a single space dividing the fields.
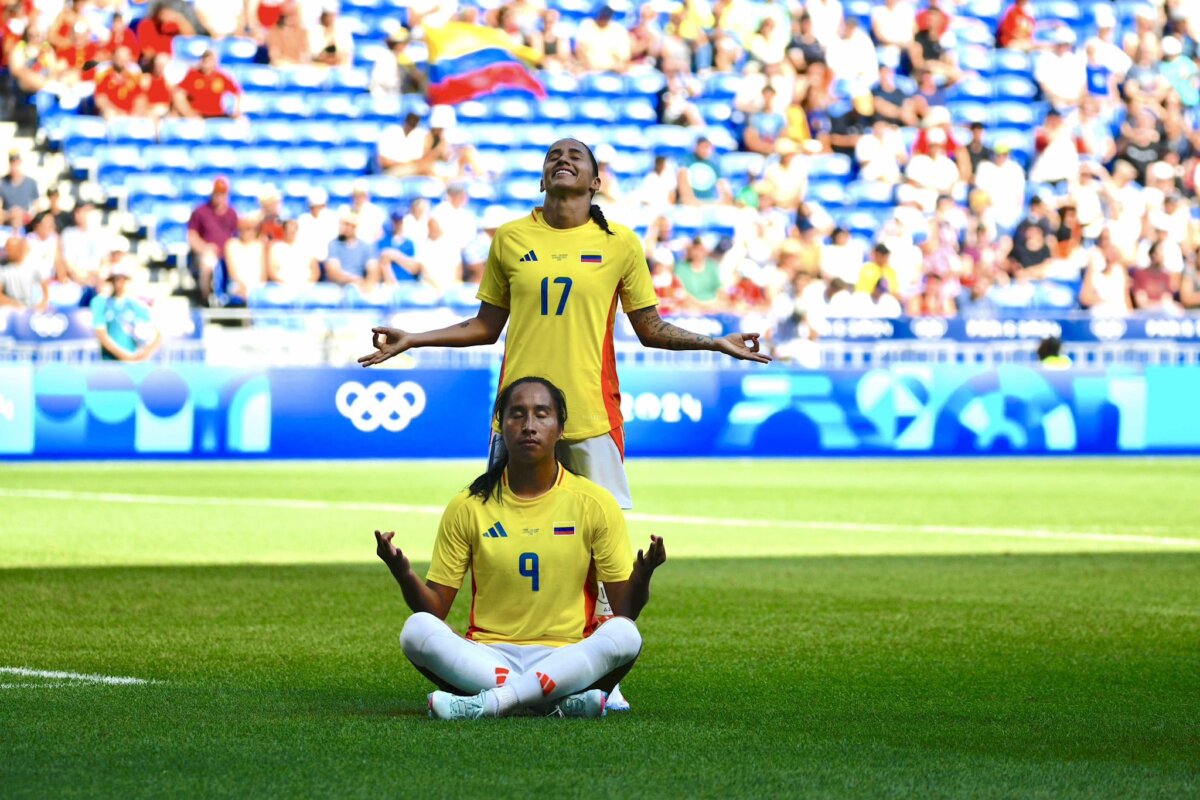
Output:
x=443 y=705
x=586 y=705
x=616 y=700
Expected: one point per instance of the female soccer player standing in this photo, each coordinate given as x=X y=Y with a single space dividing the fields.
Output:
x=554 y=277
x=534 y=538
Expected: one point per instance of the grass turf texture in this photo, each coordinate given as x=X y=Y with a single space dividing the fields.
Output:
x=865 y=654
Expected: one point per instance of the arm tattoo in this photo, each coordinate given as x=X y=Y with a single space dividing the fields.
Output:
x=659 y=333
x=465 y=324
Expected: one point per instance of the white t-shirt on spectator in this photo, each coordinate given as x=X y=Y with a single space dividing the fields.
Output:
x=1006 y=186
x=371 y=221
x=316 y=232
x=84 y=250
x=246 y=260
x=1063 y=76
x=853 y=58
x=880 y=157
x=842 y=261
x=897 y=23
x=457 y=224
x=826 y=19
x=222 y=20
x=405 y=148
x=290 y=263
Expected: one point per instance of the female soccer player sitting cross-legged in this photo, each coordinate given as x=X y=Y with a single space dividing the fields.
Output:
x=536 y=539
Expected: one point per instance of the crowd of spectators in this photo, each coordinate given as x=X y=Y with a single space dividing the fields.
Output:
x=1097 y=202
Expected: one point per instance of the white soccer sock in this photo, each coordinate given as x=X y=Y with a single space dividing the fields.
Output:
x=432 y=645
x=575 y=667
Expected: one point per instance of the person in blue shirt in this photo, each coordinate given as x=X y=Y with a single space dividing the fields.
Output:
x=350 y=259
x=398 y=254
x=122 y=322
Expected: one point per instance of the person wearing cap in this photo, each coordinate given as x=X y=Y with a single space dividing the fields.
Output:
x=18 y=193
x=351 y=261
x=1179 y=72
x=1062 y=72
x=933 y=173
x=1015 y=31
x=123 y=324
x=21 y=285
x=601 y=44
x=202 y=91
x=371 y=218
x=212 y=224
x=394 y=71
x=319 y=225
x=270 y=220
x=1104 y=44
x=287 y=38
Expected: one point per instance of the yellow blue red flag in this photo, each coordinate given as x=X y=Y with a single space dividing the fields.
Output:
x=468 y=61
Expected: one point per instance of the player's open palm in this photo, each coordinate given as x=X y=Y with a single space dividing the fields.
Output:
x=743 y=346
x=387 y=342
x=388 y=553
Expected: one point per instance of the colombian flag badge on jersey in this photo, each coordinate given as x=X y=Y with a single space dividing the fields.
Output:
x=590 y=256
x=564 y=529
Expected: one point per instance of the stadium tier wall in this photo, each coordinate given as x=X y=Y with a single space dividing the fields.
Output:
x=197 y=411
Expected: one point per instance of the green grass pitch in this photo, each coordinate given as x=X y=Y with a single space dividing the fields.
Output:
x=908 y=629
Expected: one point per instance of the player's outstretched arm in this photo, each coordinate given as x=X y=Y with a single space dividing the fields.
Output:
x=628 y=598
x=483 y=328
x=654 y=331
x=427 y=596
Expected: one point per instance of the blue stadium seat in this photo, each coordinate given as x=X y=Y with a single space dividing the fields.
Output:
x=132 y=130
x=670 y=140
x=722 y=85
x=830 y=194
x=829 y=165
x=170 y=233
x=356 y=160
x=236 y=50
x=259 y=160
x=967 y=111
x=523 y=163
x=646 y=84
x=348 y=80
x=190 y=48
x=1012 y=62
x=632 y=165
x=602 y=84
x=146 y=185
x=971 y=89
x=303 y=160
x=360 y=132
x=473 y=111
x=309 y=79
x=333 y=106
x=1056 y=10
x=560 y=83
x=81 y=135
x=1014 y=88
x=115 y=161
x=258 y=78
x=637 y=109
x=229 y=131
x=1013 y=115
x=384 y=108
x=176 y=130
x=595 y=110
x=215 y=156
x=167 y=159
x=973 y=31
x=553 y=109
x=515 y=109
x=421 y=186
x=988 y=11
x=318 y=132
x=871 y=194
x=491 y=135
x=738 y=164
x=517 y=191
x=975 y=59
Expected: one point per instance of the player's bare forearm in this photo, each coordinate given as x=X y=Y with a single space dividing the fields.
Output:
x=417 y=594
x=629 y=597
x=467 y=333
x=654 y=331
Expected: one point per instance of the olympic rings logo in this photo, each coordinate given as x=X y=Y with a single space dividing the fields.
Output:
x=380 y=405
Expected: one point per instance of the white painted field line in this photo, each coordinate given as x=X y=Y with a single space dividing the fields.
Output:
x=666 y=519
x=78 y=677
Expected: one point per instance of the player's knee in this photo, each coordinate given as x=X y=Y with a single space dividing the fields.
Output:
x=416 y=631
x=625 y=636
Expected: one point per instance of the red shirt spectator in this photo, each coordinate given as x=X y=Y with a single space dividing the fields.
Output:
x=156 y=32
x=119 y=89
x=1016 y=26
x=925 y=19
x=204 y=88
x=120 y=36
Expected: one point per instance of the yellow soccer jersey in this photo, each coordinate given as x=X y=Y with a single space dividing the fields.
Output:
x=533 y=563
x=561 y=288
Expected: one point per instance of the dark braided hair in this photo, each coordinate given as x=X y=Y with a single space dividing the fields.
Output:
x=594 y=212
x=487 y=485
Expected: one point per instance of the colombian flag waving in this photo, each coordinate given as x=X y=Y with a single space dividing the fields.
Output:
x=467 y=61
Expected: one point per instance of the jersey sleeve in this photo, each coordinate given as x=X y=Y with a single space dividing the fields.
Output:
x=637 y=290
x=452 y=547
x=611 y=549
x=493 y=288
